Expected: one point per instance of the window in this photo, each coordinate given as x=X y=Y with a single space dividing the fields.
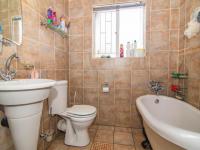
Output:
x=115 y=25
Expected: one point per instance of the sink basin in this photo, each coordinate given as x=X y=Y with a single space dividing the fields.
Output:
x=25 y=84
x=23 y=103
x=25 y=91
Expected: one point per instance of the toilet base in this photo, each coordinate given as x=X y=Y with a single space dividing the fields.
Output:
x=74 y=137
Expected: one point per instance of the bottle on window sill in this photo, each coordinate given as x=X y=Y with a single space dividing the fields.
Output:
x=128 y=47
x=121 y=50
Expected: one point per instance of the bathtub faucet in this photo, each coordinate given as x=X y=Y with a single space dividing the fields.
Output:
x=156 y=87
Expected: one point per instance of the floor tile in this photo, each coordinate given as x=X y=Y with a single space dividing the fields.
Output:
x=104 y=136
x=121 y=129
x=123 y=147
x=102 y=146
x=101 y=127
x=92 y=134
x=94 y=126
x=138 y=139
x=58 y=144
x=123 y=138
x=88 y=147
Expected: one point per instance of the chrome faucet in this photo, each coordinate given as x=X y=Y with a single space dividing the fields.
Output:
x=156 y=87
x=7 y=74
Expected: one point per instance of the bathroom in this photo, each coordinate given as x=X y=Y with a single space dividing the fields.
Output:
x=112 y=85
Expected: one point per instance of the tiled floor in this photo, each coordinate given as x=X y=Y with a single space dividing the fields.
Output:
x=106 y=138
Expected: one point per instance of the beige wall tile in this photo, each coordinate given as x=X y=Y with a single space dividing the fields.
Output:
x=122 y=96
x=174 y=39
x=76 y=60
x=76 y=78
x=106 y=115
x=159 y=60
x=159 y=40
x=140 y=79
x=91 y=96
x=76 y=43
x=174 y=18
x=160 y=20
x=160 y=4
x=60 y=59
x=47 y=59
x=90 y=78
x=76 y=27
x=122 y=79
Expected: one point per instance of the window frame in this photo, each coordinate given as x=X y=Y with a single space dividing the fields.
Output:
x=116 y=7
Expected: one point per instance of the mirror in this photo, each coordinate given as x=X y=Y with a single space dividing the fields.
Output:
x=11 y=21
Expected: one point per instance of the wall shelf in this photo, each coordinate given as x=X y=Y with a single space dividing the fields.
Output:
x=176 y=75
x=54 y=28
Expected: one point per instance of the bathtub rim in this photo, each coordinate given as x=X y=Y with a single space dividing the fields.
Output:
x=172 y=133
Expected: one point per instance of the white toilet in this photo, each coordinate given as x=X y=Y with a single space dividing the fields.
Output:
x=76 y=119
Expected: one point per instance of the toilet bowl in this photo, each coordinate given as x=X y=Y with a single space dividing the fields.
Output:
x=76 y=119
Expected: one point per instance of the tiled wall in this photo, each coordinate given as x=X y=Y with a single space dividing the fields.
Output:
x=41 y=47
x=127 y=77
x=190 y=57
x=7 y=9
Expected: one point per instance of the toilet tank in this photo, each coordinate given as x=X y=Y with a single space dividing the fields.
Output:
x=58 y=98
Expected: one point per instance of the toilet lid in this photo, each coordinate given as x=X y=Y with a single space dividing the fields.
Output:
x=81 y=110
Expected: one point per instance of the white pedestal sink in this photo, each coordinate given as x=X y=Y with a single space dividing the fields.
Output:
x=23 y=103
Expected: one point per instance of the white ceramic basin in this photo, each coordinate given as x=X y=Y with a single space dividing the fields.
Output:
x=23 y=103
x=25 y=84
x=25 y=91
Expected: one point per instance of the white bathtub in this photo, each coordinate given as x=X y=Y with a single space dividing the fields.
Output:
x=170 y=124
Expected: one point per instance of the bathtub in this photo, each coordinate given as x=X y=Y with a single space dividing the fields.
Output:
x=170 y=124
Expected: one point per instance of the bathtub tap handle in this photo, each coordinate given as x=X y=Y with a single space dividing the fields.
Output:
x=156 y=87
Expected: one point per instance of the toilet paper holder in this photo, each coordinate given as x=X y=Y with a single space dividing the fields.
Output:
x=105 y=87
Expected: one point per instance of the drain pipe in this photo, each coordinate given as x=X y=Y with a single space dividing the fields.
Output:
x=4 y=122
x=75 y=94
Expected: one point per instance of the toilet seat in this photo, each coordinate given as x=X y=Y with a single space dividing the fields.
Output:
x=80 y=111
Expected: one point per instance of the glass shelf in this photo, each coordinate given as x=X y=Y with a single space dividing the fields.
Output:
x=54 y=28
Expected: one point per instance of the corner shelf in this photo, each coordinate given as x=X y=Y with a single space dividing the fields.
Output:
x=184 y=77
x=179 y=94
x=53 y=28
x=179 y=75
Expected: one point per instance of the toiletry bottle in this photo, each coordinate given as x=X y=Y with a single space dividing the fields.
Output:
x=34 y=74
x=135 y=45
x=121 y=50
x=132 y=49
x=63 y=23
x=55 y=22
x=128 y=46
x=50 y=15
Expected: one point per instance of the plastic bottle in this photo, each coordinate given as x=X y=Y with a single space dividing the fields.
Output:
x=132 y=50
x=135 y=45
x=128 y=47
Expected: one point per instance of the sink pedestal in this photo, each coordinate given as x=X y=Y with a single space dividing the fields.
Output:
x=23 y=102
x=24 y=124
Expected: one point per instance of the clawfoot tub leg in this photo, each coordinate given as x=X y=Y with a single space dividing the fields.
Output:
x=146 y=144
